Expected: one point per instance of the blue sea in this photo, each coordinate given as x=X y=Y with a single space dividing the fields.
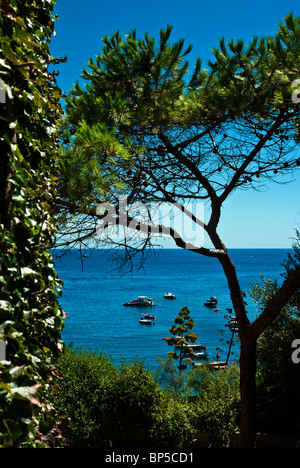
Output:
x=94 y=298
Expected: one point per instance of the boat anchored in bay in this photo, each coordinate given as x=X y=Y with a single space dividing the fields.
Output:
x=211 y=302
x=141 y=301
x=169 y=296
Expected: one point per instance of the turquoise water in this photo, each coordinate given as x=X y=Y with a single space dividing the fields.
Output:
x=94 y=298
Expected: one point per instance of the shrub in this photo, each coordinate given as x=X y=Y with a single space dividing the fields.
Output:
x=278 y=403
x=173 y=425
x=85 y=378
x=121 y=407
x=217 y=405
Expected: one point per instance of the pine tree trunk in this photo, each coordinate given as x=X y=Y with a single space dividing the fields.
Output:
x=248 y=393
x=247 y=357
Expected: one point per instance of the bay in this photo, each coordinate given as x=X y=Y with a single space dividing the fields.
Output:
x=98 y=321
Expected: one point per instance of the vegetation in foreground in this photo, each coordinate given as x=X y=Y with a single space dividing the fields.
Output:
x=130 y=406
x=103 y=405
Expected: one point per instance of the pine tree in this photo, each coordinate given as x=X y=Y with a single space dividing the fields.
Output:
x=147 y=127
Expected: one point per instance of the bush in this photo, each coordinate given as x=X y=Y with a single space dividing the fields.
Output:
x=173 y=425
x=278 y=403
x=120 y=407
x=105 y=406
x=278 y=377
x=85 y=380
x=131 y=401
x=217 y=403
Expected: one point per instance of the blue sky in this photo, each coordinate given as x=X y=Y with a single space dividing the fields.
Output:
x=249 y=219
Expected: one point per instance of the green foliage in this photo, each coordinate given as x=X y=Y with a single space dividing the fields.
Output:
x=139 y=83
x=146 y=125
x=85 y=380
x=277 y=376
x=125 y=407
x=131 y=402
x=30 y=316
x=132 y=81
x=132 y=85
x=173 y=381
x=217 y=402
x=257 y=77
x=290 y=264
x=173 y=426
x=212 y=397
x=106 y=406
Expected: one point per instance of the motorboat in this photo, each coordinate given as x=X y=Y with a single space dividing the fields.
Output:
x=149 y=317
x=193 y=347
x=233 y=325
x=201 y=355
x=144 y=321
x=141 y=301
x=211 y=302
x=169 y=296
x=218 y=365
x=215 y=365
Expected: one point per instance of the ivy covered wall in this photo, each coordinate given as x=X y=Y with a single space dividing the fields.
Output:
x=30 y=314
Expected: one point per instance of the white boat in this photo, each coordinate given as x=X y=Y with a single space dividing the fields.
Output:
x=214 y=365
x=169 y=296
x=211 y=302
x=201 y=355
x=141 y=301
x=233 y=325
x=193 y=347
x=144 y=321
